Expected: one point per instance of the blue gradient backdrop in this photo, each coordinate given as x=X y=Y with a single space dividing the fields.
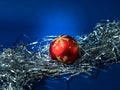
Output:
x=38 y=18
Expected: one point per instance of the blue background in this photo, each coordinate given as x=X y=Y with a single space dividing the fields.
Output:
x=38 y=18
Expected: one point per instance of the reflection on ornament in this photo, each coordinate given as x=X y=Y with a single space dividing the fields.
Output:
x=64 y=49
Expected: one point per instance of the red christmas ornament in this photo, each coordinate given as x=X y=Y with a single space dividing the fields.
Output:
x=64 y=49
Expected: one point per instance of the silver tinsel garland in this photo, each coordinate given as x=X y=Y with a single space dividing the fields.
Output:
x=20 y=67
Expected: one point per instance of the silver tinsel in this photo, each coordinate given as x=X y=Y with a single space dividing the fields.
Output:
x=20 y=67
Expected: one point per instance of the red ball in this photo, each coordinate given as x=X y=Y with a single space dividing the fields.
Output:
x=64 y=49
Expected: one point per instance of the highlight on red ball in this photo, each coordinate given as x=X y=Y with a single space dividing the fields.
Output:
x=64 y=49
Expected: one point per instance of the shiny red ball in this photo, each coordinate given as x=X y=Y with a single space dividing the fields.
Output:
x=64 y=49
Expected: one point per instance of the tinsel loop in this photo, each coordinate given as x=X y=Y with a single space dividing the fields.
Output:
x=20 y=67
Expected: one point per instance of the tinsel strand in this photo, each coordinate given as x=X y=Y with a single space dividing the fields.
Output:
x=20 y=67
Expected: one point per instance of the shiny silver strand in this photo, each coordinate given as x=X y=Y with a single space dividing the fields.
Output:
x=21 y=67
